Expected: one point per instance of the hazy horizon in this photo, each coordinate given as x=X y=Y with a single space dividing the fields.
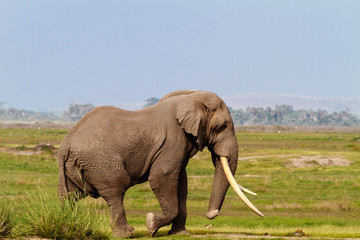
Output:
x=53 y=53
x=230 y=100
x=243 y=101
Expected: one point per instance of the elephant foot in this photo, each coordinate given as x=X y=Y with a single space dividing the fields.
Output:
x=150 y=223
x=124 y=232
x=179 y=231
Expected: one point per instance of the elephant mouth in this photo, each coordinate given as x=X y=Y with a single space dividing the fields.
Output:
x=238 y=188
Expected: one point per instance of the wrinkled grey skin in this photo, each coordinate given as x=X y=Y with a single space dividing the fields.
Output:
x=110 y=150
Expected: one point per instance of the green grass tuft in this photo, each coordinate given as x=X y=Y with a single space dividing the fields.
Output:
x=6 y=221
x=47 y=217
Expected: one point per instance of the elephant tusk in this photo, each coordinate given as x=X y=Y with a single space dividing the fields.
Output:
x=234 y=185
x=246 y=190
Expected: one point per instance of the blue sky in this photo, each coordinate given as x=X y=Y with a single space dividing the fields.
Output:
x=109 y=52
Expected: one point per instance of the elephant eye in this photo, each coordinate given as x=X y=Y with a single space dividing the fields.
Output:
x=206 y=110
x=223 y=127
x=226 y=124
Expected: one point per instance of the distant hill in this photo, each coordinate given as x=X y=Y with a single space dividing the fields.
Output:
x=243 y=101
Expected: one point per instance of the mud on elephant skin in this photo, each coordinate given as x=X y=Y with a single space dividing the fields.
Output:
x=110 y=150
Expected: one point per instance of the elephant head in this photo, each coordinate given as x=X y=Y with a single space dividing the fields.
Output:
x=207 y=120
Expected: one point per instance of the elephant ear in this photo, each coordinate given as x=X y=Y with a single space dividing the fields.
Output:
x=191 y=116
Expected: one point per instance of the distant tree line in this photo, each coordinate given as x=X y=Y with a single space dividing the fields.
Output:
x=14 y=114
x=286 y=115
x=280 y=115
x=74 y=113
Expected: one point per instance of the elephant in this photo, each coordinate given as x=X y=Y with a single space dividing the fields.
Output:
x=110 y=150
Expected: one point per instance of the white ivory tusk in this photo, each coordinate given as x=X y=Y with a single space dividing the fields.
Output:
x=234 y=185
x=246 y=190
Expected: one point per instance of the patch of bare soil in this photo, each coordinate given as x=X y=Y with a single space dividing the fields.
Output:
x=23 y=153
x=252 y=158
x=243 y=236
x=266 y=236
x=306 y=161
x=322 y=160
x=22 y=150
x=35 y=238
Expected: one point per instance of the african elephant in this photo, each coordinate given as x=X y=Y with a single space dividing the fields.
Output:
x=110 y=150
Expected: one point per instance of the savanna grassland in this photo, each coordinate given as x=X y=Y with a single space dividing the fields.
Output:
x=305 y=180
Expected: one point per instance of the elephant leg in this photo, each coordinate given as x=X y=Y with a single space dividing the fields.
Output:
x=178 y=224
x=121 y=228
x=113 y=189
x=165 y=187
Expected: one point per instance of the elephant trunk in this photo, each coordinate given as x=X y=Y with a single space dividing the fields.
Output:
x=225 y=167
x=220 y=184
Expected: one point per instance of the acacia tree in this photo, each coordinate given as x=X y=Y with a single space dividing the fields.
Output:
x=76 y=111
x=151 y=101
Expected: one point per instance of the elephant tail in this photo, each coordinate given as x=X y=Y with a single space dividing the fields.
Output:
x=62 y=186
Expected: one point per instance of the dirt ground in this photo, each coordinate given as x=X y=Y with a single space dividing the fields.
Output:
x=307 y=161
x=244 y=236
x=38 y=149
x=313 y=161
